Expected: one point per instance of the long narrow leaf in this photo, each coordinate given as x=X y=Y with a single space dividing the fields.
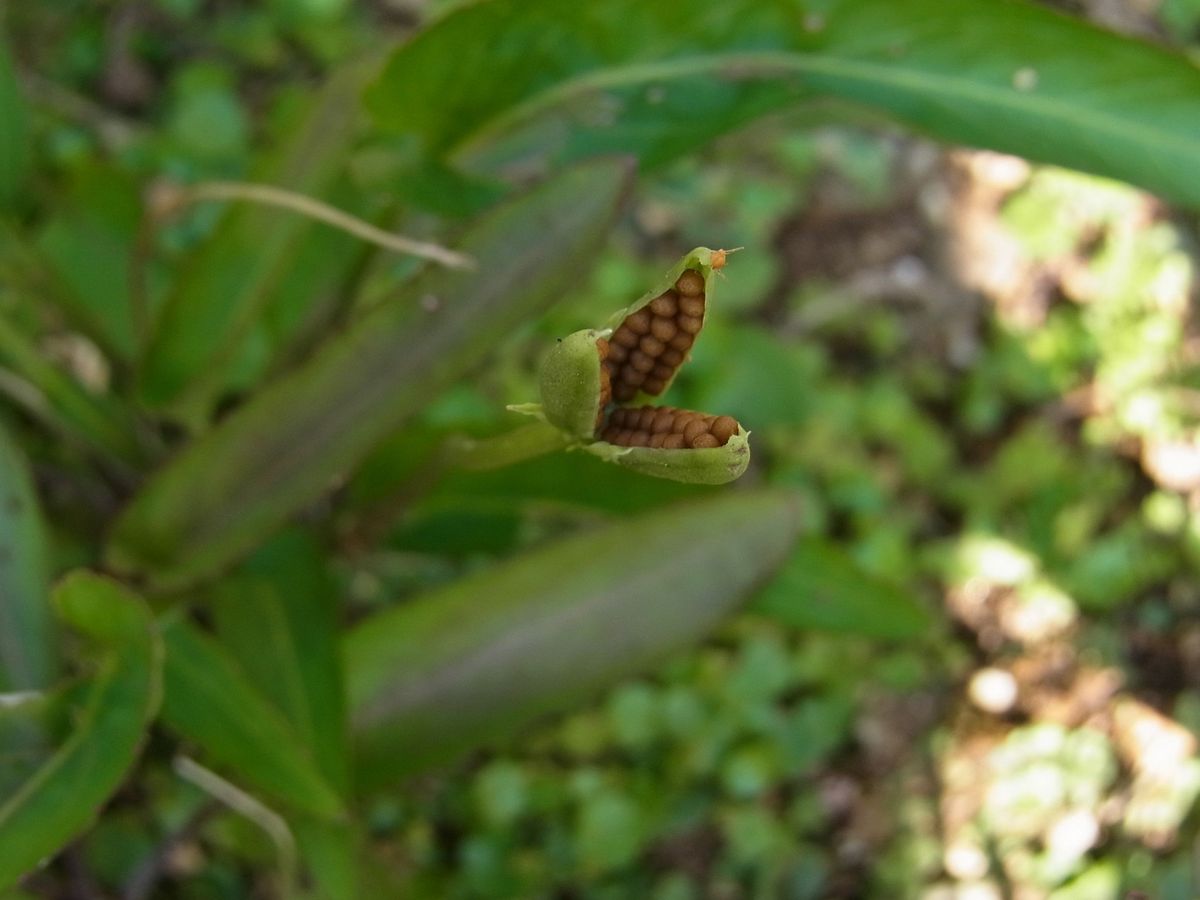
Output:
x=28 y=653
x=474 y=660
x=278 y=616
x=1003 y=74
x=62 y=798
x=210 y=701
x=237 y=484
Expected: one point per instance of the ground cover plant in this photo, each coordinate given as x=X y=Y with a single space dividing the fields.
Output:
x=861 y=562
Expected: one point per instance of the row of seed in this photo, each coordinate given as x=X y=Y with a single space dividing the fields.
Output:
x=668 y=428
x=652 y=343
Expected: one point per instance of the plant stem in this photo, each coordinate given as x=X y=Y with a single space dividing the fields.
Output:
x=272 y=196
x=239 y=801
x=518 y=445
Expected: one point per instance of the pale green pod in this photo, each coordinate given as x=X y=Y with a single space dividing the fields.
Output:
x=716 y=465
x=570 y=384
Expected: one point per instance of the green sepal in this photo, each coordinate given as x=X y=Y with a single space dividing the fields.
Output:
x=713 y=465
x=570 y=384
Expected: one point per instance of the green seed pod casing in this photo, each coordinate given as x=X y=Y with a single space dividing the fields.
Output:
x=711 y=465
x=570 y=384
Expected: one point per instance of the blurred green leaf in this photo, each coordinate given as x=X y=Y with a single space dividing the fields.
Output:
x=822 y=587
x=209 y=700
x=27 y=721
x=484 y=655
x=331 y=852
x=63 y=797
x=86 y=244
x=1001 y=74
x=231 y=279
x=28 y=640
x=278 y=617
x=15 y=141
x=227 y=491
x=96 y=421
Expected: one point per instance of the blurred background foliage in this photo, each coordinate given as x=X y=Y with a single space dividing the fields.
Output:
x=974 y=676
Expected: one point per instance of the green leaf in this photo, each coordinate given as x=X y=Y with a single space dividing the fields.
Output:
x=821 y=587
x=95 y=222
x=237 y=484
x=209 y=700
x=332 y=854
x=1002 y=74
x=28 y=642
x=26 y=722
x=63 y=797
x=15 y=142
x=231 y=279
x=278 y=616
x=94 y=420
x=459 y=666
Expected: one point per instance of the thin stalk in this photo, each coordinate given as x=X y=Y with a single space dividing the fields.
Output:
x=239 y=801
x=509 y=448
x=269 y=195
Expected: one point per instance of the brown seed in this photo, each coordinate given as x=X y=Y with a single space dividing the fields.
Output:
x=683 y=341
x=651 y=345
x=616 y=418
x=690 y=283
x=663 y=329
x=673 y=442
x=671 y=357
x=664 y=305
x=723 y=428
x=646 y=417
x=616 y=354
x=623 y=391
x=682 y=420
x=633 y=376
x=704 y=441
x=602 y=348
x=692 y=306
x=638 y=322
x=690 y=324
x=694 y=429
x=656 y=440
x=662 y=372
x=653 y=386
x=641 y=439
x=626 y=336
x=640 y=361
x=662 y=420
x=605 y=376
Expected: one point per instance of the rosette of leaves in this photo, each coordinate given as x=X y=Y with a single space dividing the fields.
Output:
x=597 y=385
